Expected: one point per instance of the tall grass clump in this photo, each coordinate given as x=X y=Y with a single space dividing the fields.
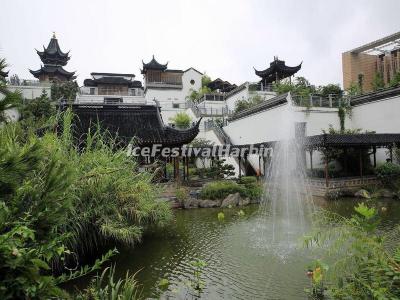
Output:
x=112 y=201
x=61 y=200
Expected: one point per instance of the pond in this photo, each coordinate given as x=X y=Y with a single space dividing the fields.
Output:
x=240 y=264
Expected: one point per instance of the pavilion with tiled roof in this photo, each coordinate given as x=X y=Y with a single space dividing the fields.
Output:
x=53 y=59
x=276 y=71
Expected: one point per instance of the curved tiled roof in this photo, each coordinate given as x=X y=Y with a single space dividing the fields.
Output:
x=154 y=65
x=112 y=80
x=53 y=70
x=265 y=105
x=279 y=69
x=352 y=140
x=53 y=54
x=375 y=96
x=143 y=123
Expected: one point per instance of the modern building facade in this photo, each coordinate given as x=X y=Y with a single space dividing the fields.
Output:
x=362 y=64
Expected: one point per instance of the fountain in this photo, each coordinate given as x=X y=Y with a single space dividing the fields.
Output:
x=287 y=203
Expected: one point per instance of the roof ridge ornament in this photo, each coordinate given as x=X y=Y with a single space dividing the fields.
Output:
x=54 y=35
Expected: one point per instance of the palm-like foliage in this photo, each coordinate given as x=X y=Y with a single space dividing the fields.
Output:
x=53 y=194
x=111 y=200
x=8 y=100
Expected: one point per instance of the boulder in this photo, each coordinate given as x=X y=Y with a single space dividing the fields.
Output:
x=244 y=202
x=209 y=203
x=231 y=200
x=191 y=203
x=362 y=194
x=385 y=193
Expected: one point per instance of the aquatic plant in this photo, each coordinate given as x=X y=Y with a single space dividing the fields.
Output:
x=197 y=283
x=372 y=271
x=241 y=213
x=221 y=216
x=105 y=287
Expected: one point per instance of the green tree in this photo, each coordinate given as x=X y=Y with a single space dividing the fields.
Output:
x=8 y=99
x=353 y=90
x=64 y=90
x=205 y=80
x=330 y=89
x=40 y=108
x=243 y=104
x=36 y=197
x=377 y=82
x=220 y=169
x=3 y=66
x=395 y=80
x=204 y=89
x=181 y=120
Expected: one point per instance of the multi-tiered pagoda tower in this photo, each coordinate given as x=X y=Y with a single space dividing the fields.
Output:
x=53 y=61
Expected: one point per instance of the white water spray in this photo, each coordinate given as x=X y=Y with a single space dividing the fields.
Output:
x=287 y=204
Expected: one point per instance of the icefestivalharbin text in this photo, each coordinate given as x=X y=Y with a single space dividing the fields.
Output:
x=187 y=151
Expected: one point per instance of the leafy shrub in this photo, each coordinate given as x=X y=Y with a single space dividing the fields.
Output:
x=387 y=169
x=55 y=198
x=220 y=169
x=247 y=179
x=221 y=189
x=36 y=199
x=386 y=173
x=181 y=120
x=182 y=194
x=371 y=271
x=253 y=190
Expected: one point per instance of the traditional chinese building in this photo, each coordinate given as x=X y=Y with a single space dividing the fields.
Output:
x=170 y=87
x=277 y=71
x=111 y=88
x=53 y=60
x=141 y=124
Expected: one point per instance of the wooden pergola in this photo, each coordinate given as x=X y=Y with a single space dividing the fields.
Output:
x=360 y=142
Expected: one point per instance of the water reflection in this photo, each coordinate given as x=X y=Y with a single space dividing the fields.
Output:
x=240 y=262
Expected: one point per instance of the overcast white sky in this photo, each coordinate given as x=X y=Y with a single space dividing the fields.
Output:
x=223 y=38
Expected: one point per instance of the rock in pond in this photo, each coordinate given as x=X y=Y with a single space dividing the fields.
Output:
x=362 y=194
x=244 y=202
x=191 y=203
x=231 y=200
x=385 y=193
x=209 y=203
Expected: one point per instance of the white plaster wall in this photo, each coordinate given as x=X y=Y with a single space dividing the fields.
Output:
x=211 y=136
x=191 y=74
x=269 y=125
x=382 y=116
x=231 y=101
x=30 y=92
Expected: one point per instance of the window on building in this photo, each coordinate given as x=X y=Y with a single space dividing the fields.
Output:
x=112 y=100
x=192 y=82
x=175 y=105
x=91 y=91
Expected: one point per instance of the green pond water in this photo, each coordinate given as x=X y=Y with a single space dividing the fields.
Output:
x=241 y=262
